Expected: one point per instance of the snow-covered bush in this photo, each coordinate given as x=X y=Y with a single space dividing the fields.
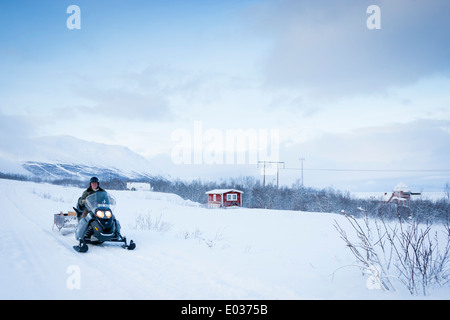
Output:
x=147 y=222
x=211 y=242
x=416 y=254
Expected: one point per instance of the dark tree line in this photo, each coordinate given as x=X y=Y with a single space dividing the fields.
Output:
x=299 y=198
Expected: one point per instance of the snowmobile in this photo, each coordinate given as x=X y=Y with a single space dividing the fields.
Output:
x=99 y=225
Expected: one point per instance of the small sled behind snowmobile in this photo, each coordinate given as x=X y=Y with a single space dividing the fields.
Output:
x=65 y=220
x=99 y=225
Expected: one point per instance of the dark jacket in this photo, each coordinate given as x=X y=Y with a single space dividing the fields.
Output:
x=87 y=193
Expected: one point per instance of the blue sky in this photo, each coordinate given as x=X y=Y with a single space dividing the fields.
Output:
x=342 y=96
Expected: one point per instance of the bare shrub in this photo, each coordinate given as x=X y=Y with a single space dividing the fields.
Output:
x=210 y=242
x=416 y=254
x=147 y=222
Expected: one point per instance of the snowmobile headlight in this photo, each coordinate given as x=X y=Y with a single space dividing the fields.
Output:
x=100 y=214
x=108 y=213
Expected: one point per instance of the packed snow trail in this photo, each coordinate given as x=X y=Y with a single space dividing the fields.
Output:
x=25 y=248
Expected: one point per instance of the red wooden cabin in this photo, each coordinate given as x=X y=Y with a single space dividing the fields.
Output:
x=401 y=195
x=225 y=198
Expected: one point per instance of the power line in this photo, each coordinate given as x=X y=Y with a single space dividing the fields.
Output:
x=278 y=169
x=371 y=170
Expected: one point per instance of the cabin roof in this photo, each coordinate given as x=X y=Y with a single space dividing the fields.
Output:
x=222 y=191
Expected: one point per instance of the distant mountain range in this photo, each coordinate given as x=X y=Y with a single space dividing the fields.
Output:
x=66 y=157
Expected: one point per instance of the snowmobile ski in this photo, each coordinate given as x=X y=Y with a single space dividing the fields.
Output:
x=130 y=246
x=81 y=247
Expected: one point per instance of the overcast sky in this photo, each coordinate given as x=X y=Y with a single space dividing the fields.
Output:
x=167 y=77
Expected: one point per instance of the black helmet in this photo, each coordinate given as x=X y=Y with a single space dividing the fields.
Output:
x=94 y=179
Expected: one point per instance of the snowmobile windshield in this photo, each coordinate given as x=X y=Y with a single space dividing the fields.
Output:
x=100 y=199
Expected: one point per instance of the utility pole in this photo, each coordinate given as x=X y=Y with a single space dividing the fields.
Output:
x=264 y=175
x=278 y=174
x=301 y=161
x=278 y=170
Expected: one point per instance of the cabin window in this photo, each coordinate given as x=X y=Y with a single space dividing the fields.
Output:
x=214 y=197
x=232 y=197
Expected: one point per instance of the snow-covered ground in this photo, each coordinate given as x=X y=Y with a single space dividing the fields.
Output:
x=189 y=252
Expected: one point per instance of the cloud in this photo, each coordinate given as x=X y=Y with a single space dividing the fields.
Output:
x=126 y=104
x=327 y=48
x=422 y=144
x=14 y=142
x=14 y=131
x=188 y=84
x=156 y=93
x=379 y=154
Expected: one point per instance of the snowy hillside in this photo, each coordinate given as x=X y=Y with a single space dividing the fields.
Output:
x=69 y=157
x=184 y=251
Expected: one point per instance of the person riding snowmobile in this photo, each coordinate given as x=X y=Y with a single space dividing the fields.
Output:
x=94 y=187
x=96 y=222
